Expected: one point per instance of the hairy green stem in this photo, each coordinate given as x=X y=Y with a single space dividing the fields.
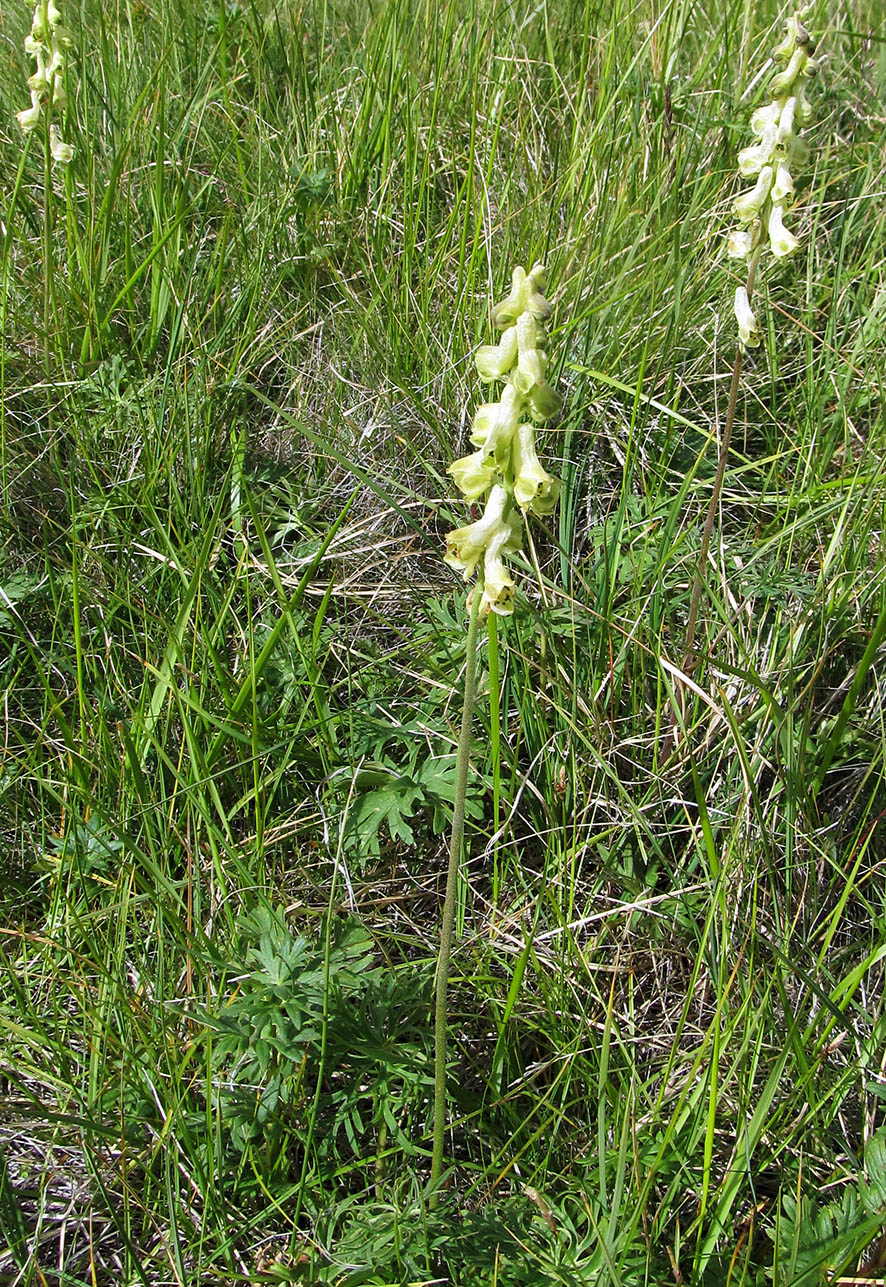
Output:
x=444 y=954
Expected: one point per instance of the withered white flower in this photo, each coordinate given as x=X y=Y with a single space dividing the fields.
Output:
x=748 y=333
x=61 y=151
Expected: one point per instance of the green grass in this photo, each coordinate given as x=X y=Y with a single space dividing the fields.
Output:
x=231 y=657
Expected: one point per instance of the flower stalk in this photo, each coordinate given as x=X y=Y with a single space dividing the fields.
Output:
x=47 y=43
x=760 y=212
x=504 y=471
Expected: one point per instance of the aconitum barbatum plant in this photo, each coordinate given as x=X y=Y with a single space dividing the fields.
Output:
x=505 y=469
x=772 y=162
x=47 y=42
x=506 y=474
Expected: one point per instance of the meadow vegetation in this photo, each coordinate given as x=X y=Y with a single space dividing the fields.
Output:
x=235 y=364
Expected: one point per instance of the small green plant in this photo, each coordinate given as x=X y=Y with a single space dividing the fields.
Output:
x=815 y=1239
x=504 y=468
x=273 y=1018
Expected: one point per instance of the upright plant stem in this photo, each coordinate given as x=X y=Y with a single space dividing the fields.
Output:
x=47 y=257
x=698 y=581
x=441 y=986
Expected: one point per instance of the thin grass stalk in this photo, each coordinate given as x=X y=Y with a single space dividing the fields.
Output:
x=444 y=953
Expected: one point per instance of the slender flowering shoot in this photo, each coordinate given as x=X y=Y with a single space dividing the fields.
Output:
x=505 y=471
x=771 y=163
x=48 y=42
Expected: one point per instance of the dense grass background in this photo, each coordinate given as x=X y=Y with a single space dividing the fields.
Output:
x=231 y=656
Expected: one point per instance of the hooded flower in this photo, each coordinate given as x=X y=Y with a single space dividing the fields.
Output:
x=494 y=426
x=472 y=475
x=61 y=151
x=781 y=242
x=525 y=297
x=505 y=460
x=467 y=545
x=494 y=361
x=534 y=488
x=498 y=584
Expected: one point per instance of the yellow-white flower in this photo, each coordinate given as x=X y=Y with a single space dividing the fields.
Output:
x=782 y=191
x=534 y=487
x=498 y=584
x=31 y=117
x=742 y=241
x=494 y=361
x=747 y=206
x=781 y=241
x=473 y=476
x=495 y=424
x=467 y=545
x=525 y=297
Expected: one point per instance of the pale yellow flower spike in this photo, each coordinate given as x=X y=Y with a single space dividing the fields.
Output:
x=505 y=467
x=761 y=209
x=47 y=42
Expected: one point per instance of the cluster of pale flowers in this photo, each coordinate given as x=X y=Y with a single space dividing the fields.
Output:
x=505 y=464
x=47 y=42
x=770 y=160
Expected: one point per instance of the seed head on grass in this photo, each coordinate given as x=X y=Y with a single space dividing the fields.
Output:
x=48 y=42
x=770 y=161
x=505 y=467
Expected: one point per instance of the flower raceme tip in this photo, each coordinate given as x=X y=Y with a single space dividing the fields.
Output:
x=779 y=149
x=47 y=42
